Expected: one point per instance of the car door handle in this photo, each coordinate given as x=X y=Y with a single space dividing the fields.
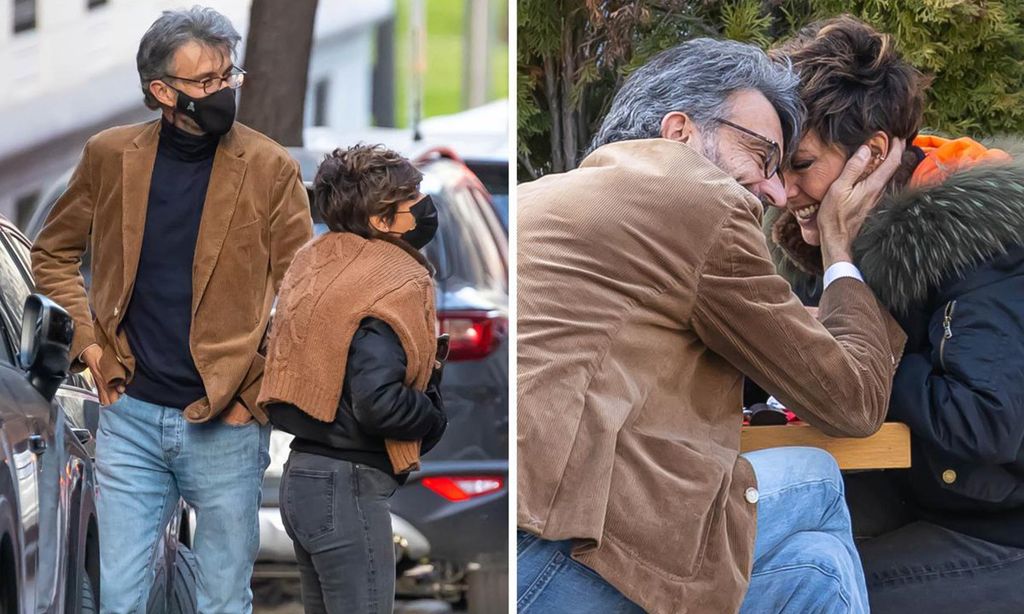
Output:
x=36 y=444
x=84 y=435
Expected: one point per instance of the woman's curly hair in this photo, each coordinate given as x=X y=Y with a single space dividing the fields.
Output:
x=352 y=185
x=854 y=83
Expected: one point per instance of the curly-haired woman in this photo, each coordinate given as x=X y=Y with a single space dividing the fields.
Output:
x=944 y=251
x=350 y=369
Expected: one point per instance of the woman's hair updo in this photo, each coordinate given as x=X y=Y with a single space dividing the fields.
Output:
x=854 y=83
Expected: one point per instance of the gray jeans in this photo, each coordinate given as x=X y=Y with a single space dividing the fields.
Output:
x=337 y=515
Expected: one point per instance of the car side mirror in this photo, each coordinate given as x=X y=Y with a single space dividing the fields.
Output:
x=46 y=334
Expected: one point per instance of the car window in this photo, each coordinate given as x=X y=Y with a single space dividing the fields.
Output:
x=491 y=218
x=471 y=253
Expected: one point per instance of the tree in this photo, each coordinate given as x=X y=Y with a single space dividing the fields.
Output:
x=277 y=60
x=574 y=54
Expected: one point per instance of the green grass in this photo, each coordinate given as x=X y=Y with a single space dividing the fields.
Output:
x=442 y=84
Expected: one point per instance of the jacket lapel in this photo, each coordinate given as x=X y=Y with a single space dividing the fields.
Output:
x=136 y=172
x=218 y=208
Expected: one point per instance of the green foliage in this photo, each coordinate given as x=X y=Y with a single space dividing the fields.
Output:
x=973 y=49
x=442 y=83
x=744 y=21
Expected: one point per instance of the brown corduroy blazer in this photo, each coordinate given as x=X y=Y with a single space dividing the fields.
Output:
x=645 y=292
x=256 y=215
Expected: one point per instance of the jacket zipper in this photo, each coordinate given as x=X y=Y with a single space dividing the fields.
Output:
x=947 y=331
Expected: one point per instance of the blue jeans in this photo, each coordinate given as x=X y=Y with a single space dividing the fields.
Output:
x=804 y=555
x=149 y=456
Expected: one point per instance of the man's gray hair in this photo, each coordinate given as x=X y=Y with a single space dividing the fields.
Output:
x=696 y=78
x=174 y=29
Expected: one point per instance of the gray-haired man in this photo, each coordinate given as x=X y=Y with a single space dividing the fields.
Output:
x=645 y=293
x=192 y=220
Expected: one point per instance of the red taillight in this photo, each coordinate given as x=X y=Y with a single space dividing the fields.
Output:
x=463 y=488
x=474 y=334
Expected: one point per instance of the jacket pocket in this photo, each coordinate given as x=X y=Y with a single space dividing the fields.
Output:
x=957 y=486
x=666 y=498
x=309 y=502
x=947 y=331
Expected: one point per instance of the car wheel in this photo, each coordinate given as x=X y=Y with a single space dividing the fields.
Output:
x=183 y=592
x=8 y=561
x=8 y=576
x=87 y=601
x=488 y=587
x=183 y=589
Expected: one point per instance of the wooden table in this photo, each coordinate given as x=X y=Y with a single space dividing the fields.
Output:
x=889 y=448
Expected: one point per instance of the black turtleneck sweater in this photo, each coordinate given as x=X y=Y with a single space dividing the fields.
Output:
x=159 y=315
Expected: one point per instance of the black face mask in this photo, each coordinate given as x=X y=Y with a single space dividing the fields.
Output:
x=215 y=113
x=426 y=223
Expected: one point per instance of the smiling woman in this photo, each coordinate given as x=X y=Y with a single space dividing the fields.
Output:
x=942 y=251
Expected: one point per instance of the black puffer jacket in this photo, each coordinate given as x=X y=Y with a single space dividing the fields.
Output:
x=948 y=261
x=375 y=405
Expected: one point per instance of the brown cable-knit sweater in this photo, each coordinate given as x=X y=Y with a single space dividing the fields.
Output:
x=333 y=283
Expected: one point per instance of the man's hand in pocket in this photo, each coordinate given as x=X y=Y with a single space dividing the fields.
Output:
x=109 y=392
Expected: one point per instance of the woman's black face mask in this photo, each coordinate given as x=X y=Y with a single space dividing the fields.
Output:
x=425 y=214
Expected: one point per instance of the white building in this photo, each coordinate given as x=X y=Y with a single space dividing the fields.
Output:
x=68 y=69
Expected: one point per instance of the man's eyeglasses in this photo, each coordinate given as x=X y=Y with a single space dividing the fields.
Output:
x=234 y=78
x=772 y=159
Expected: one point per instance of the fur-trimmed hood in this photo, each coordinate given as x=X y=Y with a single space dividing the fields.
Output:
x=920 y=239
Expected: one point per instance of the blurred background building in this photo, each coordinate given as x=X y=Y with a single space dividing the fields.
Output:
x=68 y=68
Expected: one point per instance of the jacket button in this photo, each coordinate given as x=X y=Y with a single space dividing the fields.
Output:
x=116 y=311
x=751 y=495
x=949 y=476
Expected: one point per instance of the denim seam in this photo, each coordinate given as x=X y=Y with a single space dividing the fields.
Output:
x=523 y=543
x=554 y=564
x=828 y=482
x=370 y=569
x=254 y=526
x=821 y=570
x=160 y=529
x=938 y=574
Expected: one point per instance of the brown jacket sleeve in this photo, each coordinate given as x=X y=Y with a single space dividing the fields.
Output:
x=836 y=374
x=290 y=228
x=57 y=254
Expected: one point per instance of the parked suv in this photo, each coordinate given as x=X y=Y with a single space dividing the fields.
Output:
x=49 y=544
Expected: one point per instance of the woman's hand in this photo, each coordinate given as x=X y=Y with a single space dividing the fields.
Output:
x=851 y=198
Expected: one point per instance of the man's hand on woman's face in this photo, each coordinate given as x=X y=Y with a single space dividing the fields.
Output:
x=851 y=198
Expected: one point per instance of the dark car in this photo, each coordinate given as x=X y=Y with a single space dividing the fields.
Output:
x=49 y=544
